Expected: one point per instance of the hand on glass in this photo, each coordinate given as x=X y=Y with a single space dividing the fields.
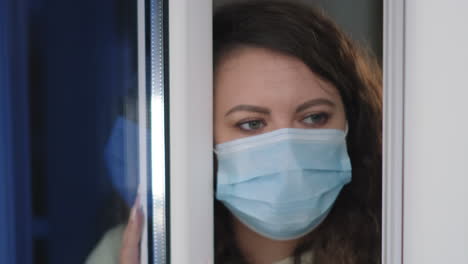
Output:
x=130 y=251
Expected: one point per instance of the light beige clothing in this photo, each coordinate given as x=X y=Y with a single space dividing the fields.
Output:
x=107 y=250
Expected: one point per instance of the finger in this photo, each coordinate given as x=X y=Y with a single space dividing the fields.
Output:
x=130 y=251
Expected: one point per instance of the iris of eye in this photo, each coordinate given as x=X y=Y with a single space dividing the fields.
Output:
x=314 y=119
x=251 y=125
x=255 y=124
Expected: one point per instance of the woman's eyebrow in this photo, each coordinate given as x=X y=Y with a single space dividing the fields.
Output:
x=249 y=108
x=314 y=102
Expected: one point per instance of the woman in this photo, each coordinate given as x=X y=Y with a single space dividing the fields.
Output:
x=297 y=119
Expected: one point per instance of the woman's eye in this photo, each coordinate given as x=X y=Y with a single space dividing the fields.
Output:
x=252 y=125
x=316 y=119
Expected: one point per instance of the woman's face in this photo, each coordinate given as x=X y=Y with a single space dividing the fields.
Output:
x=258 y=91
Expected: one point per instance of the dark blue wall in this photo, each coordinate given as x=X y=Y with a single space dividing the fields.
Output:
x=15 y=202
x=64 y=68
x=7 y=237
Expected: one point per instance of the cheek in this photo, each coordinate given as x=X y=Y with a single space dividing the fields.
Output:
x=223 y=133
x=218 y=127
x=217 y=116
x=217 y=135
x=340 y=120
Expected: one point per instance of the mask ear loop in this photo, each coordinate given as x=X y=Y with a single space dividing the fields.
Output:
x=346 y=129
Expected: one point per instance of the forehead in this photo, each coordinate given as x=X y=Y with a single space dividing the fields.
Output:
x=256 y=75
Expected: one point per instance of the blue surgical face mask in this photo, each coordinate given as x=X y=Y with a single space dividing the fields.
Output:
x=121 y=157
x=282 y=184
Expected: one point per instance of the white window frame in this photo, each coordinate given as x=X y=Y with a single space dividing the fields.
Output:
x=190 y=38
x=393 y=125
x=436 y=132
x=190 y=196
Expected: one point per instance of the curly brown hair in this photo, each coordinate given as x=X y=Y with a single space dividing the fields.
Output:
x=351 y=232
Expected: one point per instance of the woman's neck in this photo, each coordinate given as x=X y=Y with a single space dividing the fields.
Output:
x=261 y=250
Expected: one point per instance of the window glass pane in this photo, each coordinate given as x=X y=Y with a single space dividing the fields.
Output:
x=84 y=136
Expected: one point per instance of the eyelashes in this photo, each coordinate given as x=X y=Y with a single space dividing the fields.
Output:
x=251 y=125
x=315 y=120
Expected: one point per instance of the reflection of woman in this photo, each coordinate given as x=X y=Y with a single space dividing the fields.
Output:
x=295 y=104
